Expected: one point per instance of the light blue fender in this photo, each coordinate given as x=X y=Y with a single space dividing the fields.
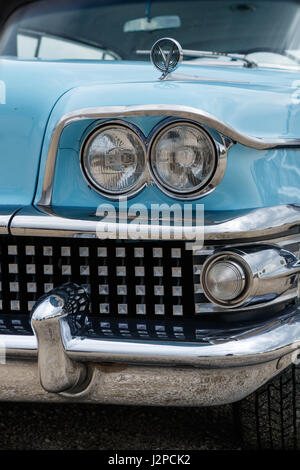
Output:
x=28 y=92
x=259 y=102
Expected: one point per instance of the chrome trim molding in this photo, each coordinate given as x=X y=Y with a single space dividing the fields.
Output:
x=4 y=223
x=241 y=226
x=259 y=346
x=272 y=341
x=179 y=111
x=6 y=215
x=55 y=312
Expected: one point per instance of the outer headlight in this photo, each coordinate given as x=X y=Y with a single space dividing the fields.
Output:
x=183 y=158
x=114 y=159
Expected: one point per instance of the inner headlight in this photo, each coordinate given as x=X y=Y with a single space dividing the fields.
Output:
x=114 y=159
x=183 y=158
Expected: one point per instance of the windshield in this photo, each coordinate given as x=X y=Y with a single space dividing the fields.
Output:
x=266 y=31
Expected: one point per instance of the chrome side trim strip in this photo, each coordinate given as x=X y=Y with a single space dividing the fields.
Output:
x=19 y=345
x=4 y=222
x=183 y=112
x=54 y=314
x=241 y=226
x=256 y=223
x=259 y=346
x=6 y=214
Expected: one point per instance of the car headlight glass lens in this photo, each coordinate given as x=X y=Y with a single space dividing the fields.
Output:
x=114 y=159
x=225 y=280
x=183 y=158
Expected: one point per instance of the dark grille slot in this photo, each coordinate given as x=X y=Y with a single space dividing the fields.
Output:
x=200 y=298
x=124 y=278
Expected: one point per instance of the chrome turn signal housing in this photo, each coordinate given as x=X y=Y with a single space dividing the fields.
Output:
x=248 y=275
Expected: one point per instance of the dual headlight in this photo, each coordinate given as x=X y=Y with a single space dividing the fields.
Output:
x=181 y=158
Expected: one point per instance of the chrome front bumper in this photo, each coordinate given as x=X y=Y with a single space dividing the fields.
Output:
x=55 y=365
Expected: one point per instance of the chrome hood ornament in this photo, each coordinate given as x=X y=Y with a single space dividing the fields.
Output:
x=166 y=54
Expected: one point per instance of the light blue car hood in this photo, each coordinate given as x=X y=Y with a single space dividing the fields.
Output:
x=34 y=95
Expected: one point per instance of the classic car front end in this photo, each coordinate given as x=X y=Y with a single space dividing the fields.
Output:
x=150 y=223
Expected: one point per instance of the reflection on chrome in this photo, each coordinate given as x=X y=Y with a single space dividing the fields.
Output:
x=263 y=272
x=277 y=221
x=259 y=343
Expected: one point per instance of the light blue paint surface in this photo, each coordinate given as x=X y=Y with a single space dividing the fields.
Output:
x=260 y=102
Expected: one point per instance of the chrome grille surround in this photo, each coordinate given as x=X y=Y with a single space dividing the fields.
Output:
x=135 y=279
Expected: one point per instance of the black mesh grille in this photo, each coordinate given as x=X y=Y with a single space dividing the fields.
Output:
x=123 y=278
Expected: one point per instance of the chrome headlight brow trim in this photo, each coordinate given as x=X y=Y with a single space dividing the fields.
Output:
x=182 y=112
x=115 y=195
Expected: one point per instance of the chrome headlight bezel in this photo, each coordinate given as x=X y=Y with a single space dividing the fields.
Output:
x=114 y=194
x=219 y=147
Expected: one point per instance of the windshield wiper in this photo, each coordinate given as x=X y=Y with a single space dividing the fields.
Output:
x=248 y=63
x=211 y=54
